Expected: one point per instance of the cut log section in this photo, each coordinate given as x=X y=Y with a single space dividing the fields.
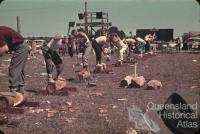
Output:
x=7 y=100
x=132 y=81
x=84 y=75
x=126 y=81
x=101 y=68
x=53 y=87
x=154 y=84
x=138 y=82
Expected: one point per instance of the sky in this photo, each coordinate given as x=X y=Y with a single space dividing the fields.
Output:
x=48 y=17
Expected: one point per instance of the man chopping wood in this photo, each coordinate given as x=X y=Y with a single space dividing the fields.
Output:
x=87 y=48
x=98 y=46
x=114 y=38
x=12 y=41
x=131 y=45
x=140 y=45
x=51 y=56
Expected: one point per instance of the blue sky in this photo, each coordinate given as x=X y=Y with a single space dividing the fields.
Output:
x=48 y=17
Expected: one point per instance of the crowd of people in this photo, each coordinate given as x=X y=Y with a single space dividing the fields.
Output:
x=77 y=42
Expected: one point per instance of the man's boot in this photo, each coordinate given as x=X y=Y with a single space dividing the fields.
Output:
x=50 y=78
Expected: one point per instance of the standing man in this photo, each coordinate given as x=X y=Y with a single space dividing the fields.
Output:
x=50 y=52
x=114 y=37
x=148 y=39
x=140 y=45
x=178 y=43
x=131 y=45
x=10 y=40
x=87 y=48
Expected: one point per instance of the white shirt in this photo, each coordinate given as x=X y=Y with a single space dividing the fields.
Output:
x=129 y=41
x=120 y=44
x=140 y=40
x=55 y=44
x=101 y=40
x=148 y=37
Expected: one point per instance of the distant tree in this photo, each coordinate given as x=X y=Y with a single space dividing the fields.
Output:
x=1 y=1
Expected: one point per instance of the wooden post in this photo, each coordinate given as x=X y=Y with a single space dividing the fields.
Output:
x=135 y=69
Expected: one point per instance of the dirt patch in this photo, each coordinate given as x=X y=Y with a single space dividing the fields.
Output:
x=101 y=109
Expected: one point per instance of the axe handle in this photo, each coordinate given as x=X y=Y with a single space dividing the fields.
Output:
x=135 y=69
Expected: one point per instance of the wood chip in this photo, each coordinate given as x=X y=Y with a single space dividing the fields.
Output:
x=122 y=99
x=96 y=94
x=102 y=115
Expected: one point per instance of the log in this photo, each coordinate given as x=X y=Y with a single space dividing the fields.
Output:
x=84 y=75
x=126 y=81
x=98 y=68
x=60 y=84
x=101 y=68
x=138 y=82
x=154 y=84
x=53 y=87
x=4 y=103
x=7 y=100
x=133 y=81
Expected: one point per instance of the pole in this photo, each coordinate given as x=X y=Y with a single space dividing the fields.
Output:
x=18 y=25
x=135 y=70
x=86 y=19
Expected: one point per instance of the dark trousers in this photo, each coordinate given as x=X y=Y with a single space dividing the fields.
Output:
x=178 y=46
x=52 y=57
x=87 y=51
x=17 y=65
x=98 y=50
x=147 y=46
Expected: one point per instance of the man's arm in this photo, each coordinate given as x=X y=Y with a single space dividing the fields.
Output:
x=82 y=34
x=3 y=49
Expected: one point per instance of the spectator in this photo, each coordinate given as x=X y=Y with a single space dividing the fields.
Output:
x=178 y=43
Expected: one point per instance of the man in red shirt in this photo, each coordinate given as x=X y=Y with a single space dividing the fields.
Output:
x=10 y=40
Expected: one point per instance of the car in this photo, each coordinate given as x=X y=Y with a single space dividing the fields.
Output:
x=193 y=43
